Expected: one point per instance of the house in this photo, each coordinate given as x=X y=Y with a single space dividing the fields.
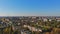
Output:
x=58 y=19
x=45 y=19
x=23 y=31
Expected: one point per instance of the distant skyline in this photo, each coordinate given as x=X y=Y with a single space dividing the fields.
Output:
x=29 y=7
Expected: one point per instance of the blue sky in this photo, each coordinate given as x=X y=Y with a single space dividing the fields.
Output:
x=29 y=7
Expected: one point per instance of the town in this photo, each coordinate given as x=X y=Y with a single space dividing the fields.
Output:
x=30 y=25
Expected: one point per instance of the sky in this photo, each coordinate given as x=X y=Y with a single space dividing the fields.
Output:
x=29 y=7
